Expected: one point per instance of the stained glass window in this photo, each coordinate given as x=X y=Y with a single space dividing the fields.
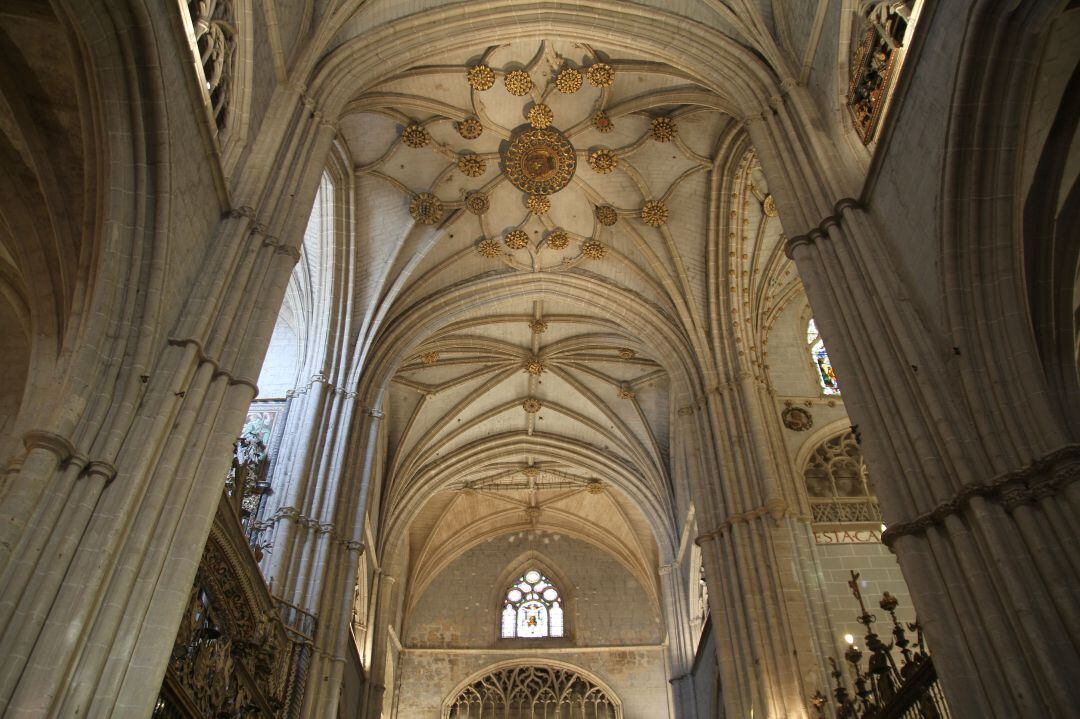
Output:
x=822 y=365
x=532 y=608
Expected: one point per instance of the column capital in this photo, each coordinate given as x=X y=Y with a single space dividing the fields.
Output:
x=61 y=446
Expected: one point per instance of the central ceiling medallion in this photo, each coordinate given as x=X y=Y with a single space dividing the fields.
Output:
x=539 y=162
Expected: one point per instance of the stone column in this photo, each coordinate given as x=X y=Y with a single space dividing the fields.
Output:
x=764 y=636
x=973 y=545
x=335 y=592
x=376 y=689
x=680 y=648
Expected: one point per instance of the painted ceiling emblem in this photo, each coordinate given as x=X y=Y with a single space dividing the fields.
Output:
x=626 y=393
x=593 y=250
x=606 y=215
x=769 y=207
x=602 y=122
x=426 y=208
x=539 y=162
x=540 y=116
x=429 y=358
x=531 y=405
x=470 y=128
x=601 y=75
x=518 y=82
x=558 y=240
x=664 y=129
x=797 y=419
x=568 y=81
x=477 y=203
x=538 y=204
x=654 y=213
x=535 y=367
x=481 y=77
x=538 y=327
x=471 y=165
x=516 y=239
x=488 y=248
x=627 y=353
x=603 y=161
x=415 y=136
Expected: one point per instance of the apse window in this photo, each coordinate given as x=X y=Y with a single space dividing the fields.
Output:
x=822 y=366
x=532 y=608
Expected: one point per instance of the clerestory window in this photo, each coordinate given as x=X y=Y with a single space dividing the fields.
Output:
x=822 y=366
x=532 y=608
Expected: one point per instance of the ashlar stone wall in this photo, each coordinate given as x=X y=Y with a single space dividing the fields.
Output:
x=613 y=626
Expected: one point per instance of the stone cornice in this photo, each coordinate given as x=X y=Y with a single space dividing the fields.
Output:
x=1044 y=477
x=203 y=357
x=775 y=509
x=822 y=229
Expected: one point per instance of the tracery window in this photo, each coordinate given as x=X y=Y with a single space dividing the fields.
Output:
x=838 y=484
x=533 y=692
x=822 y=365
x=532 y=608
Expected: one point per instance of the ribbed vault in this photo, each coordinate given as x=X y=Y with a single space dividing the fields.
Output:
x=531 y=349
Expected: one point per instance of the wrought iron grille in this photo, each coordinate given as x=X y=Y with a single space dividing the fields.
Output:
x=888 y=687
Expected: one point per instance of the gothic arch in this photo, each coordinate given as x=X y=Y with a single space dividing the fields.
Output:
x=547 y=663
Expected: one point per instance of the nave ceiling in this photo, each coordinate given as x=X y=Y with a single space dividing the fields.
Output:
x=538 y=235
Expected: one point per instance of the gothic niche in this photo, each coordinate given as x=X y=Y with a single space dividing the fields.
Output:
x=215 y=37
x=873 y=60
x=533 y=692
x=837 y=484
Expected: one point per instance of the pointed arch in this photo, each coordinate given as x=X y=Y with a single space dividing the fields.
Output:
x=561 y=672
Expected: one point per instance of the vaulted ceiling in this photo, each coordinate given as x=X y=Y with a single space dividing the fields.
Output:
x=538 y=215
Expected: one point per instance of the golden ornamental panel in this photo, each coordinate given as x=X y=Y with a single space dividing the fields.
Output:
x=481 y=77
x=540 y=116
x=516 y=239
x=654 y=213
x=593 y=250
x=518 y=82
x=606 y=215
x=601 y=75
x=539 y=162
x=603 y=161
x=415 y=136
x=477 y=203
x=568 y=81
x=558 y=240
x=470 y=128
x=664 y=129
x=426 y=208
x=602 y=122
x=471 y=165
x=538 y=204
x=488 y=248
